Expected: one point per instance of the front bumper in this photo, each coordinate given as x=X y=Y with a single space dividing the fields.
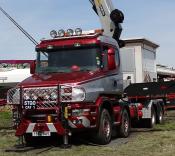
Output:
x=28 y=127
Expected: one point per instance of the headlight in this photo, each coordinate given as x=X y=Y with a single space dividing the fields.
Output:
x=78 y=94
x=71 y=94
x=13 y=96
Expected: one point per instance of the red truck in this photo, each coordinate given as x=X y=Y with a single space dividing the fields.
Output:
x=76 y=85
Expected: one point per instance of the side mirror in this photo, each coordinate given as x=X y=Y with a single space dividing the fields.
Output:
x=111 y=59
x=32 y=67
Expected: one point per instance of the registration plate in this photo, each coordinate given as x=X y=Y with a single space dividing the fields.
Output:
x=29 y=104
x=37 y=134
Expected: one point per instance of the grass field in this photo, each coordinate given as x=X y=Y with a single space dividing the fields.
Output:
x=5 y=119
x=159 y=141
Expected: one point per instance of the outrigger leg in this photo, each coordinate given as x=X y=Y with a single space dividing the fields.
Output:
x=67 y=135
x=20 y=142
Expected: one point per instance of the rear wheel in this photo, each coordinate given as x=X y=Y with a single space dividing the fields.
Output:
x=124 y=129
x=160 y=116
x=152 y=121
x=104 y=133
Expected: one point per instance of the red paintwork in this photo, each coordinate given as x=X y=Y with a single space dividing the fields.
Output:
x=140 y=114
x=117 y=114
x=3 y=102
x=68 y=41
x=16 y=61
x=40 y=127
x=111 y=59
x=163 y=87
x=21 y=130
x=32 y=67
x=132 y=111
x=140 y=106
x=59 y=128
x=169 y=107
x=99 y=101
x=171 y=96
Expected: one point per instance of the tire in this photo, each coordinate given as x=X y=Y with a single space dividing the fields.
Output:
x=151 y=122
x=124 y=128
x=160 y=116
x=104 y=132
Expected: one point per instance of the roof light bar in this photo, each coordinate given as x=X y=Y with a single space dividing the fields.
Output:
x=76 y=32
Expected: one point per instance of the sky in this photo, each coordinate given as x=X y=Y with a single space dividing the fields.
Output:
x=152 y=19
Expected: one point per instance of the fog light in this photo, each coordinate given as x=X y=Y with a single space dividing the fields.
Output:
x=49 y=118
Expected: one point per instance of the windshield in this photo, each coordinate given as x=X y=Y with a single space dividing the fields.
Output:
x=69 y=60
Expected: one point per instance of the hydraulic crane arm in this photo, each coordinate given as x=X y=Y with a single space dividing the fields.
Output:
x=110 y=18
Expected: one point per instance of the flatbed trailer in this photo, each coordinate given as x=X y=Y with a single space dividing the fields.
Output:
x=151 y=90
x=156 y=98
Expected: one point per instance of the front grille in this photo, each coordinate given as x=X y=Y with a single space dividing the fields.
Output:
x=13 y=96
x=44 y=97
x=46 y=105
x=66 y=93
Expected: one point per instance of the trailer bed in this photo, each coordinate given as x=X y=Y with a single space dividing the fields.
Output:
x=151 y=90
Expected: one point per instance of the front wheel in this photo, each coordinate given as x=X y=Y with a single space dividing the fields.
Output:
x=104 y=132
x=124 y=128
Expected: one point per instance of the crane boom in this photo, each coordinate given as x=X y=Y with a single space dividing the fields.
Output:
x=110 y=18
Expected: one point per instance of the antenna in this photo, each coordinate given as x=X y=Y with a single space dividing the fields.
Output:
x=19 y=27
